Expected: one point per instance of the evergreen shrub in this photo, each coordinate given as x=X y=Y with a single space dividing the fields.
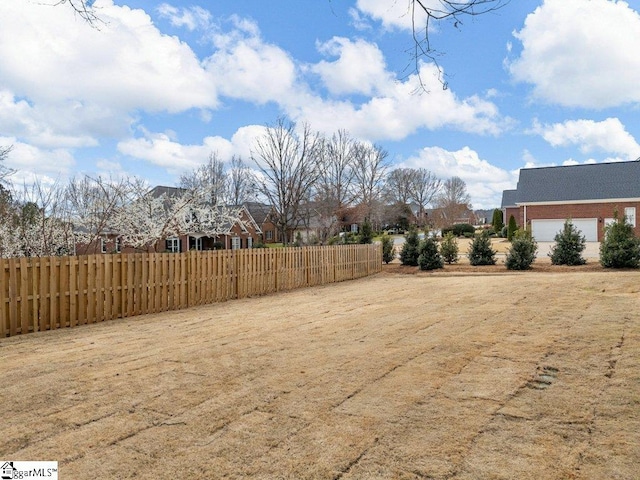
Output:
x=429 y=258
x=522 y=252
x=449 y=248
x=620 y=247
x=570 y=243
x=480 y=251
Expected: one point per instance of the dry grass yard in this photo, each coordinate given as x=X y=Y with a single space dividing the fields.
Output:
x=507 y=376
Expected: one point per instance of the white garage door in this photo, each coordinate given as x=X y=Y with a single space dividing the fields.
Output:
x=546 y=230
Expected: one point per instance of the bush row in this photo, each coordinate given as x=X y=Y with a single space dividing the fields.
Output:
x=620 y=248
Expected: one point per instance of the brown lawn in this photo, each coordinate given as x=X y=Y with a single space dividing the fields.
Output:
x=442 y=376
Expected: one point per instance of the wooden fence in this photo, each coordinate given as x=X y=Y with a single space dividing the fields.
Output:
x=46 y=293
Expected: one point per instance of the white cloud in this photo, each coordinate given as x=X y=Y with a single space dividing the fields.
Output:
x=127 y=63
x=609 y=136
x=67 y=123
x=485 y=182
x=359 y=69
x=396 y=14
x=165 y=150
x=247 y=68
x=581 y=54
x=191 y=18
x=30 y=161
x=400 y=109
x=66 y=84
x=159 y=149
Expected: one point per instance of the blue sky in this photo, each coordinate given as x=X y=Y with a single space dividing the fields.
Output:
x=160 y=85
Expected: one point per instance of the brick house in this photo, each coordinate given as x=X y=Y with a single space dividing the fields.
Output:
x=587 y=194
x=239 y=234
x=242 y=233
x=263 y=215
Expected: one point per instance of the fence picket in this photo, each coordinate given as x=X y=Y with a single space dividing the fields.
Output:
x=37 y=294
x=4 y=316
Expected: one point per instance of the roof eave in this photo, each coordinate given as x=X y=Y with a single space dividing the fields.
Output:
x=579 y=202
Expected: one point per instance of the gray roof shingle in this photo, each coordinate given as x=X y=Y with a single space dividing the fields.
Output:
x=598 y=181
x=509 y=198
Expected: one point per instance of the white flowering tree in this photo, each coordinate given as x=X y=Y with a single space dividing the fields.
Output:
x=90 y=205
x=34 y=225
x=157 y=214
x=150 y=217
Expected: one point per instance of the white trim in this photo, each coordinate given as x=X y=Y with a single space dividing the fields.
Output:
x=172 y=244
x=631 y=219
x=581 y=202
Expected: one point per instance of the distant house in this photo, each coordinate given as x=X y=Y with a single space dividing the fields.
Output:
x=241 y=233
x=483 y=217
x=263 y=215
x=349 y=218
x=587 y=194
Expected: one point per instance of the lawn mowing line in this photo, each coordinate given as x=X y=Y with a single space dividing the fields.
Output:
x=355 y=461
x=377 y=379
x=551 y=350
x=591 y=425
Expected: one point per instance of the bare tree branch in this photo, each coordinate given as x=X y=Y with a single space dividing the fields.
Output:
x=4 y=170
x=370 y=168
x=453 y=200
x=439 y=11
x=424 y=188
x=83 y=8
x=288 y=162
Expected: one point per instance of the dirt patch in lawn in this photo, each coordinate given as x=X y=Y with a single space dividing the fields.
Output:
x=526 y=376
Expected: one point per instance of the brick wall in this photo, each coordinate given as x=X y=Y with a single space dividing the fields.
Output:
x=601 y=211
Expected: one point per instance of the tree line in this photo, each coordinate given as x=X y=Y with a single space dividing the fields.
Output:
x=307 y=179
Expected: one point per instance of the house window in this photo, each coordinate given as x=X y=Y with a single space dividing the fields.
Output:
x=354 y=228
x=250 y=242
x=173 y=244
x=236 y=243
x=630 y=213
x=195 y=243
x=103 y=245
x=269 y=234
x=118 y=244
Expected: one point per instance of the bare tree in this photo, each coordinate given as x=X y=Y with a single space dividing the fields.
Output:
x=337 y=172
x=4 y=170
x=287 y=160
x=425 y=12
x=335 y=184
x=453 y=200
x=424 y=187
x=209 y=178
x=241 y=184
x=398 y=185
x=370 y=168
